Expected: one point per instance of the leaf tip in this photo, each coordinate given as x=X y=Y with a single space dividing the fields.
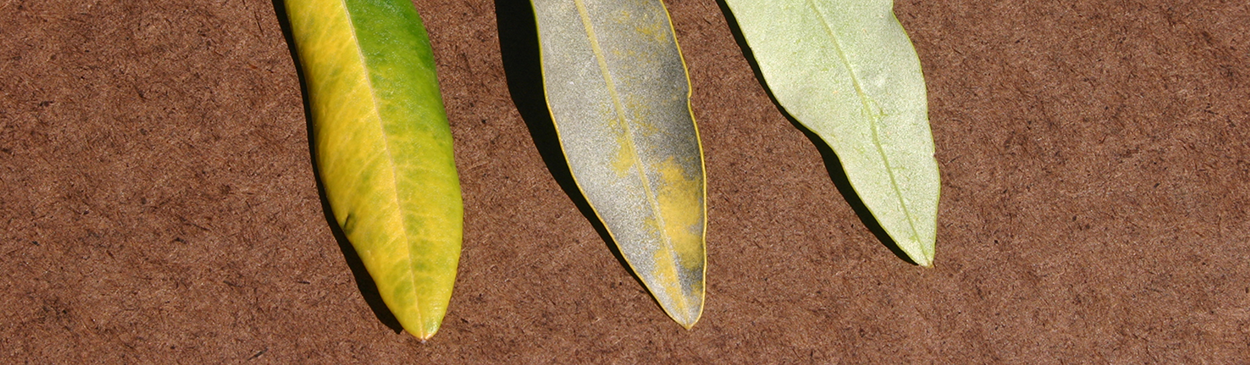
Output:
x=687 y=317
x=423 y=332
x=687 y=324
x=924 y=260
x=422 y=336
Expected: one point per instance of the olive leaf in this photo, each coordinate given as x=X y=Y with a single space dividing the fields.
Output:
x=619 y=95
x=847 y=71
x=383 y=148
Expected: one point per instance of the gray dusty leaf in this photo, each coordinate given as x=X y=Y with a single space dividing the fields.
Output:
x=619 y=95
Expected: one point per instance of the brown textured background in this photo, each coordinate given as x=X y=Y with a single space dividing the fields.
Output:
x=158 y=204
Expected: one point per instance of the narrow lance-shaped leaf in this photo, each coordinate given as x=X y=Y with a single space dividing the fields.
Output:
x=619 y=95
x=847 y=71
x=383 y=148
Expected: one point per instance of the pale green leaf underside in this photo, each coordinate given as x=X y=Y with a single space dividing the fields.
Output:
x=847 y=71
x=384 y=148
x=619 y=95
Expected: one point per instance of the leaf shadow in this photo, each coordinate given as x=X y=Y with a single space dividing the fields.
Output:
x=832 y=164
x=519 y=48
x=364 y=282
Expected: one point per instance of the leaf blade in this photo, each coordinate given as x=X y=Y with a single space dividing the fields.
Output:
x=848 y=72
x=619 y=95
x=383 y=148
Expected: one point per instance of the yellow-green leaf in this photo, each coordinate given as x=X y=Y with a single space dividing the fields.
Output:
x=847 y=71
x=619 y=95
x=383 y=148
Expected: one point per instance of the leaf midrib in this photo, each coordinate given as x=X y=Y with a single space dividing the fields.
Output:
x=629 y=136
x=873 y=117
x=390 y=160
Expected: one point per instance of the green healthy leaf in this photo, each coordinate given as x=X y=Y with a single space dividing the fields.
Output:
x=846 y=70
x=384 y=149
x=619 y=95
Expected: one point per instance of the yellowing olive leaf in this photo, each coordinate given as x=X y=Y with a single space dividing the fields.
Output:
x=383 y=148
x=846 y=70
x=619 y=95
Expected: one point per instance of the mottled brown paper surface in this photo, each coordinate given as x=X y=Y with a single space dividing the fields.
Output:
x=158 y=202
